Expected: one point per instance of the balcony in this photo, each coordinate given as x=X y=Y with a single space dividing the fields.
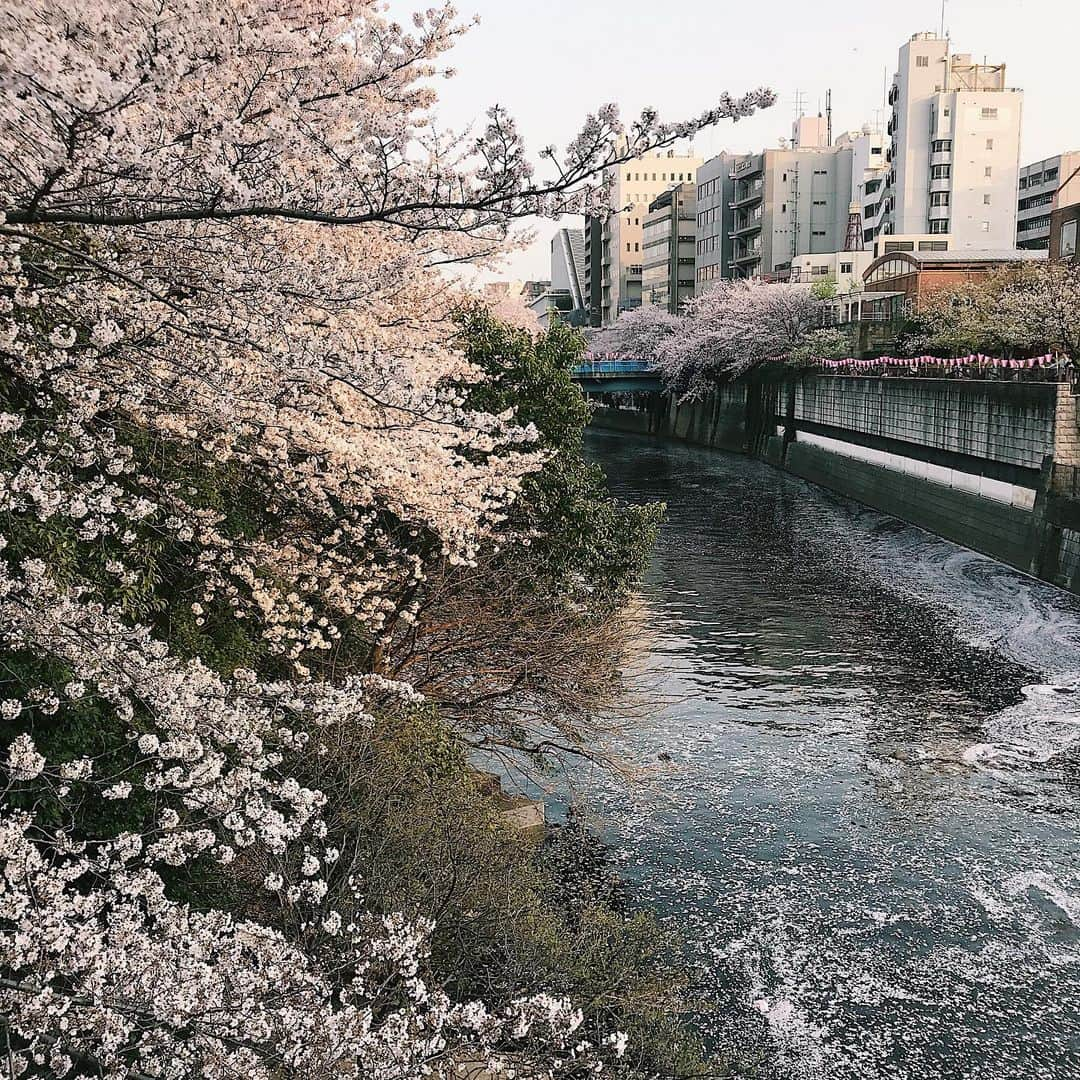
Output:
x=938 y=213
x=747 y=223
x=942 y=183
x=747 y=194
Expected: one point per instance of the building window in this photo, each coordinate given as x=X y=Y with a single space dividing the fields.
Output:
x=989 y=114
x=1050 y=174
x=922 y=61
x=819 y=202
x=783 y=208
x=989 y=144
x=945 y=111
x=845 y=268
x=939 y=198
x=986 y=200
x=986 y=226
x=818 y=232
x=941 y=146
x=988 y=171
x=939 y=226
x=1068 y=239
x=940 y=172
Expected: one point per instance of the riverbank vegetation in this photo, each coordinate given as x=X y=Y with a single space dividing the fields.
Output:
x=288 y=534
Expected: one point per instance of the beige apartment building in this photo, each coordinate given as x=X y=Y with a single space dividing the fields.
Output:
x=614 y=248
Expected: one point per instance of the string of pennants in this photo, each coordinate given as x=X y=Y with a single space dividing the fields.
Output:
x=956 y=363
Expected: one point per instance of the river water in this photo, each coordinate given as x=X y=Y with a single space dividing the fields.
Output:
x=866 y=833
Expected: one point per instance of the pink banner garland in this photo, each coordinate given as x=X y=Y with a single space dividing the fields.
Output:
x=919 y=363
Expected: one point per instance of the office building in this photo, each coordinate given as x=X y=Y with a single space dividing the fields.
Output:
x=1039 y=193
x=669 y=238
x=613 y=247
x=713 y=233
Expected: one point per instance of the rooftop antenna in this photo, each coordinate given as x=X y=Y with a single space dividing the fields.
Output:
x=943 y=3
x=828 y=115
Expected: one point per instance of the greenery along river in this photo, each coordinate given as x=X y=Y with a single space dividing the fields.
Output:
x=867 y=829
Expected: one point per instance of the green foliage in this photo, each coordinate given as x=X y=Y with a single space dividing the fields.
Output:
x=830 y=343
x=514 y=914
x=587 y=546
x=825 y=289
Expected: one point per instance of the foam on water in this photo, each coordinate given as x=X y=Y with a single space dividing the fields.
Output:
x=867 y=834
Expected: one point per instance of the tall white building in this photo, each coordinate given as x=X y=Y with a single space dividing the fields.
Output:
x=613 y=248
x=955 y=152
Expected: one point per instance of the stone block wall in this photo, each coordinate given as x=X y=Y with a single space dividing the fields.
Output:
x=1006 y=422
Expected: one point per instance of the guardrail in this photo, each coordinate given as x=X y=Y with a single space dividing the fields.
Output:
x=598 y=369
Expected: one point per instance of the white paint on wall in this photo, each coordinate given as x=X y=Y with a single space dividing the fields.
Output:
x=1011 y=494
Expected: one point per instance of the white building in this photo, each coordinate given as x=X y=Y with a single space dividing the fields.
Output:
x=869 y=172
x=843 y=269
x=613 y=248
x=955 y=152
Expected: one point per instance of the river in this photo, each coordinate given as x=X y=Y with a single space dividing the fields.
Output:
x=867 y=829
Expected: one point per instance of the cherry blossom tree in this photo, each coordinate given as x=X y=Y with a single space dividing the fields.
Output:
x=721 y=334
x=233 y=444
x=642 y=333
x=1030 y=310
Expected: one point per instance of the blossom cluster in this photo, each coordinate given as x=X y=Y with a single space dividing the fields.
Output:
x=234 y=443
x=722 y=333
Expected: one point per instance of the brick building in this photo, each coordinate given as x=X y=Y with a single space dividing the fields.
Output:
x=900 y=280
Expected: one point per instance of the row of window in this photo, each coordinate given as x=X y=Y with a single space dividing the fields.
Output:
x=1035 y=179
x=709 y=217
x=711 y=187
x=944 y=172
x=637 y=177
x=1036 y=200
x=944 y=146
x=1034 y=223
x=892 y=246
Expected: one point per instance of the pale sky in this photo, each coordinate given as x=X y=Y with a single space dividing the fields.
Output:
x=552 y=62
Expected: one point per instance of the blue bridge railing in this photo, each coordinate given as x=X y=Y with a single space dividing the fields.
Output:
x=599 y=369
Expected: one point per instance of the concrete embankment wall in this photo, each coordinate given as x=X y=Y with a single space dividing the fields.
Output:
x=971 y=461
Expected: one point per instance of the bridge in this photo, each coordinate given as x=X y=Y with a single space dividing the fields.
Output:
x=615 y=376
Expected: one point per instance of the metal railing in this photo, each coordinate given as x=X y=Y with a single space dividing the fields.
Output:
x=599 y=369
